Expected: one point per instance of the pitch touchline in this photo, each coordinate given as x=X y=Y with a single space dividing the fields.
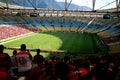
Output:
x=17 y=38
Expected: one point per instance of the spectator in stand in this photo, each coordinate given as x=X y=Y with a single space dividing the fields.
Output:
x=61 y=71
x=86 y=74
x=14 y=65
x=24 y=60
x=39 y=70
x=38 y=59
x=37 y=73
x=72 y=75
x=3 y=75
x=110 y=72
x=4 y=64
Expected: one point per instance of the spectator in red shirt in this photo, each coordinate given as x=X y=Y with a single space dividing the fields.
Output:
x=4 y=63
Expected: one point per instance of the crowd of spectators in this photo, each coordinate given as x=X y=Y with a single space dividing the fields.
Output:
x=112 y=39
x=9 y=31
x=38 y=68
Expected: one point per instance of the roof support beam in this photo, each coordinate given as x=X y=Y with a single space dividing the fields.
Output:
x=90 y=22
x=117 y=5
x=93 y=1
x=7 y=1
x=65 y=5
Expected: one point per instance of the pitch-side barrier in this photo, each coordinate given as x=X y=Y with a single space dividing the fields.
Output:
x=34 y=50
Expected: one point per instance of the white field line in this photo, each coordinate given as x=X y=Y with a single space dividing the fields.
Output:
x=16 y=38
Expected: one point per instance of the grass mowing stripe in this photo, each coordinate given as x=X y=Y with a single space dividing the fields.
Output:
x=75 y=45
x=71 y=42
x=59 y=42
x=66 y=41
x=40 y=39
x=49 y=42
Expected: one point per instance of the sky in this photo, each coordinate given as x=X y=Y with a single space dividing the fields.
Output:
x=98 y=5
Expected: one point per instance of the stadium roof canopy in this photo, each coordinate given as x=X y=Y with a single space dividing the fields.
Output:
x=63 y=5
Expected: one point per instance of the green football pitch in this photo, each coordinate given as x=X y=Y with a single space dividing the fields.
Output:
x=70 y=42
